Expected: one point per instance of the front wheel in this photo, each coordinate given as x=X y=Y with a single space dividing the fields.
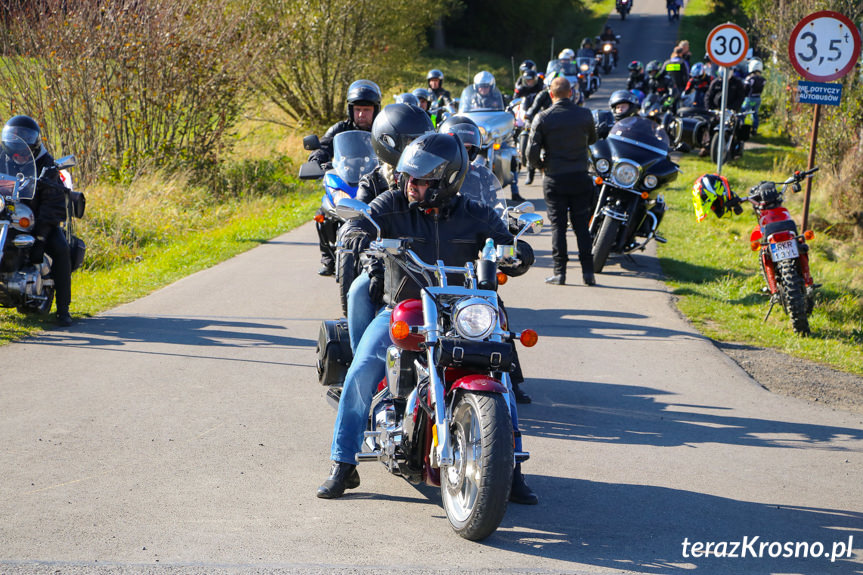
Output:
x=475 y=488
x=603 y=242
x=623 y=15
x=793 y=296
x=714 y=149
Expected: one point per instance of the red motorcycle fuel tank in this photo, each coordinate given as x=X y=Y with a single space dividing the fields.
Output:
x=409 y=311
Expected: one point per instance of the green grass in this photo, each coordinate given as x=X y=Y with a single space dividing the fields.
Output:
x=717 y=278
x=245 y=224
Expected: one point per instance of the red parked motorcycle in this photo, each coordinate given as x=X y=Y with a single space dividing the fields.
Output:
x=783 y=252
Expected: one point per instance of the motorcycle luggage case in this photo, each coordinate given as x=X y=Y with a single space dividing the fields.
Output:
x=687 y=131
x=333 y=352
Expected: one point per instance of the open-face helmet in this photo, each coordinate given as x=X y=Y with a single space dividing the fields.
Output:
x=619 y=97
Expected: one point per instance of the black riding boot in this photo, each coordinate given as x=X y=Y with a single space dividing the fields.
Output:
x=342 y=476
x=520 y=492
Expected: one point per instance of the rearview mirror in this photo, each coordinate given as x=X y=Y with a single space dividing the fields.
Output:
x=529 y=223
x=311 y=142
x=522 y=208
x=66 y=162
x=351 y=209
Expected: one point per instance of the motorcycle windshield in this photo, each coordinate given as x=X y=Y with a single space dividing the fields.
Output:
x=481 y=185
x=641 y=133
x=17 y=169
x=473 y=100
x=584 y=65
x=567 y=68
x=353 y=155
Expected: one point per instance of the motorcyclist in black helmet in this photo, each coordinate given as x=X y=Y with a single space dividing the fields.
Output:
x=527 y=86
x=480 y=183
x=586 y=50
x=364 y=103
x=49 y=208
x=637 y=79
x=425 y=207
x=434 y=79
x=424 y=97
x=394 y=128
x=608 y=35
x=623 y=104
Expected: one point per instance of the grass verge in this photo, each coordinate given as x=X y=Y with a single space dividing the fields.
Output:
x=245 y=224
x=717 y=278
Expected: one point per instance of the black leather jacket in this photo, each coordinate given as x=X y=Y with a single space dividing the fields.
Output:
x=325 y=153
x=541 y=101
x=456 y=236
x=565 y=131
x=736 y=93
x=372 y=185
x=49 y=201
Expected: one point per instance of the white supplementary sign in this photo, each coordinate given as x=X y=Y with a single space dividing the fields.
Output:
x=727 y=44
x=824 y=46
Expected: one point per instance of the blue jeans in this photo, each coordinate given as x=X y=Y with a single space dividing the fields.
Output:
x=361 y=310
x=366 y=371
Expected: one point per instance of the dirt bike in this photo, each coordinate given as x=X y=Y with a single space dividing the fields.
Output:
x=441 y=415
x=26 y=285
x=783 y=252
x=353 y=157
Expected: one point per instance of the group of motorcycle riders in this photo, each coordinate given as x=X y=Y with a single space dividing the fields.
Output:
x=427 y=185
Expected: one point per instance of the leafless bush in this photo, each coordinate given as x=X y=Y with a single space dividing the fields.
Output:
x=316 y=49
x=126 y=83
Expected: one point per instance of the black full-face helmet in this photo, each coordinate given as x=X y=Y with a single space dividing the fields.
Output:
x=467 y=131
x=621 y=97
x=25 y=128
x=395 y=127
x=363 y=93
x=439 y=158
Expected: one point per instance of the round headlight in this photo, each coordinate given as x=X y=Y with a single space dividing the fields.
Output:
x=625 y=174
x=584 y=67
x=650 y=181
x=602 y=165
x=474 y=318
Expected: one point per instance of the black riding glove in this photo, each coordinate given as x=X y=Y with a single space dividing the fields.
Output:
x=375 y=268
x=524 y=253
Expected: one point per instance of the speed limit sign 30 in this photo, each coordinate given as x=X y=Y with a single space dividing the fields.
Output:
x=727 y=44
x=824 y=46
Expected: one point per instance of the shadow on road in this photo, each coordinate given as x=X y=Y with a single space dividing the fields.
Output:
x=580 y=324
x=636 y=415
x=575 y=517
x=121 y=333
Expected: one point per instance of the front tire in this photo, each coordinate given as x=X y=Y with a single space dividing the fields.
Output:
x=475 y=489
x=793 y=294
x=603 y=242
x=714 y=149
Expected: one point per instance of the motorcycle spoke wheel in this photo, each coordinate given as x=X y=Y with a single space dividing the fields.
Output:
x=603 y=242
x=475 y=488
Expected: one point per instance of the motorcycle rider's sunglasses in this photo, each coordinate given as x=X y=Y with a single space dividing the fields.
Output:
x=419 y=182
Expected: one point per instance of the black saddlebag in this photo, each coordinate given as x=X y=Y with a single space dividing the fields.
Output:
x=333 y=352
x=482 y=355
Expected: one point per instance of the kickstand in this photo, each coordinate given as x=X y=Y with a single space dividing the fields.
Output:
x=772 y=303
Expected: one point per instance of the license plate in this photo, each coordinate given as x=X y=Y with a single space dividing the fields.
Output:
x=784 y=250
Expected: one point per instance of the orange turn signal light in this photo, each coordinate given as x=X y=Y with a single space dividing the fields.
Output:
x=597 y=180
x=755 y=246
x=319 y=218
x=24 y=222
x=502 y=278
x=809 y=234
x=400 y=330
x=645 y=195
x=496 y=146
x=528 y=338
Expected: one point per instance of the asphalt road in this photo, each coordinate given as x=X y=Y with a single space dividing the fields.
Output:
x=186 y=433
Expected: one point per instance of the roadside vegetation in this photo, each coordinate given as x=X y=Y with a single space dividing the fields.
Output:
x=712 y=271
x=187 y=137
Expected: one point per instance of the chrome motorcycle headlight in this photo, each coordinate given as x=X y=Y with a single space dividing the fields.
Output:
x=602 y=165
x=584 y=67
x=625 y=174
x=650 y=181
x=474 y=318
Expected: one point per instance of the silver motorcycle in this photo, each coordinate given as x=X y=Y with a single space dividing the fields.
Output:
x=497 y=127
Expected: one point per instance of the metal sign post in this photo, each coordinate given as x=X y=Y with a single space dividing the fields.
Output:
x=822 y=47
x=727 y=45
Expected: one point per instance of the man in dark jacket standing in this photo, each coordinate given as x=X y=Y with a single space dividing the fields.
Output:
x=558 y=144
